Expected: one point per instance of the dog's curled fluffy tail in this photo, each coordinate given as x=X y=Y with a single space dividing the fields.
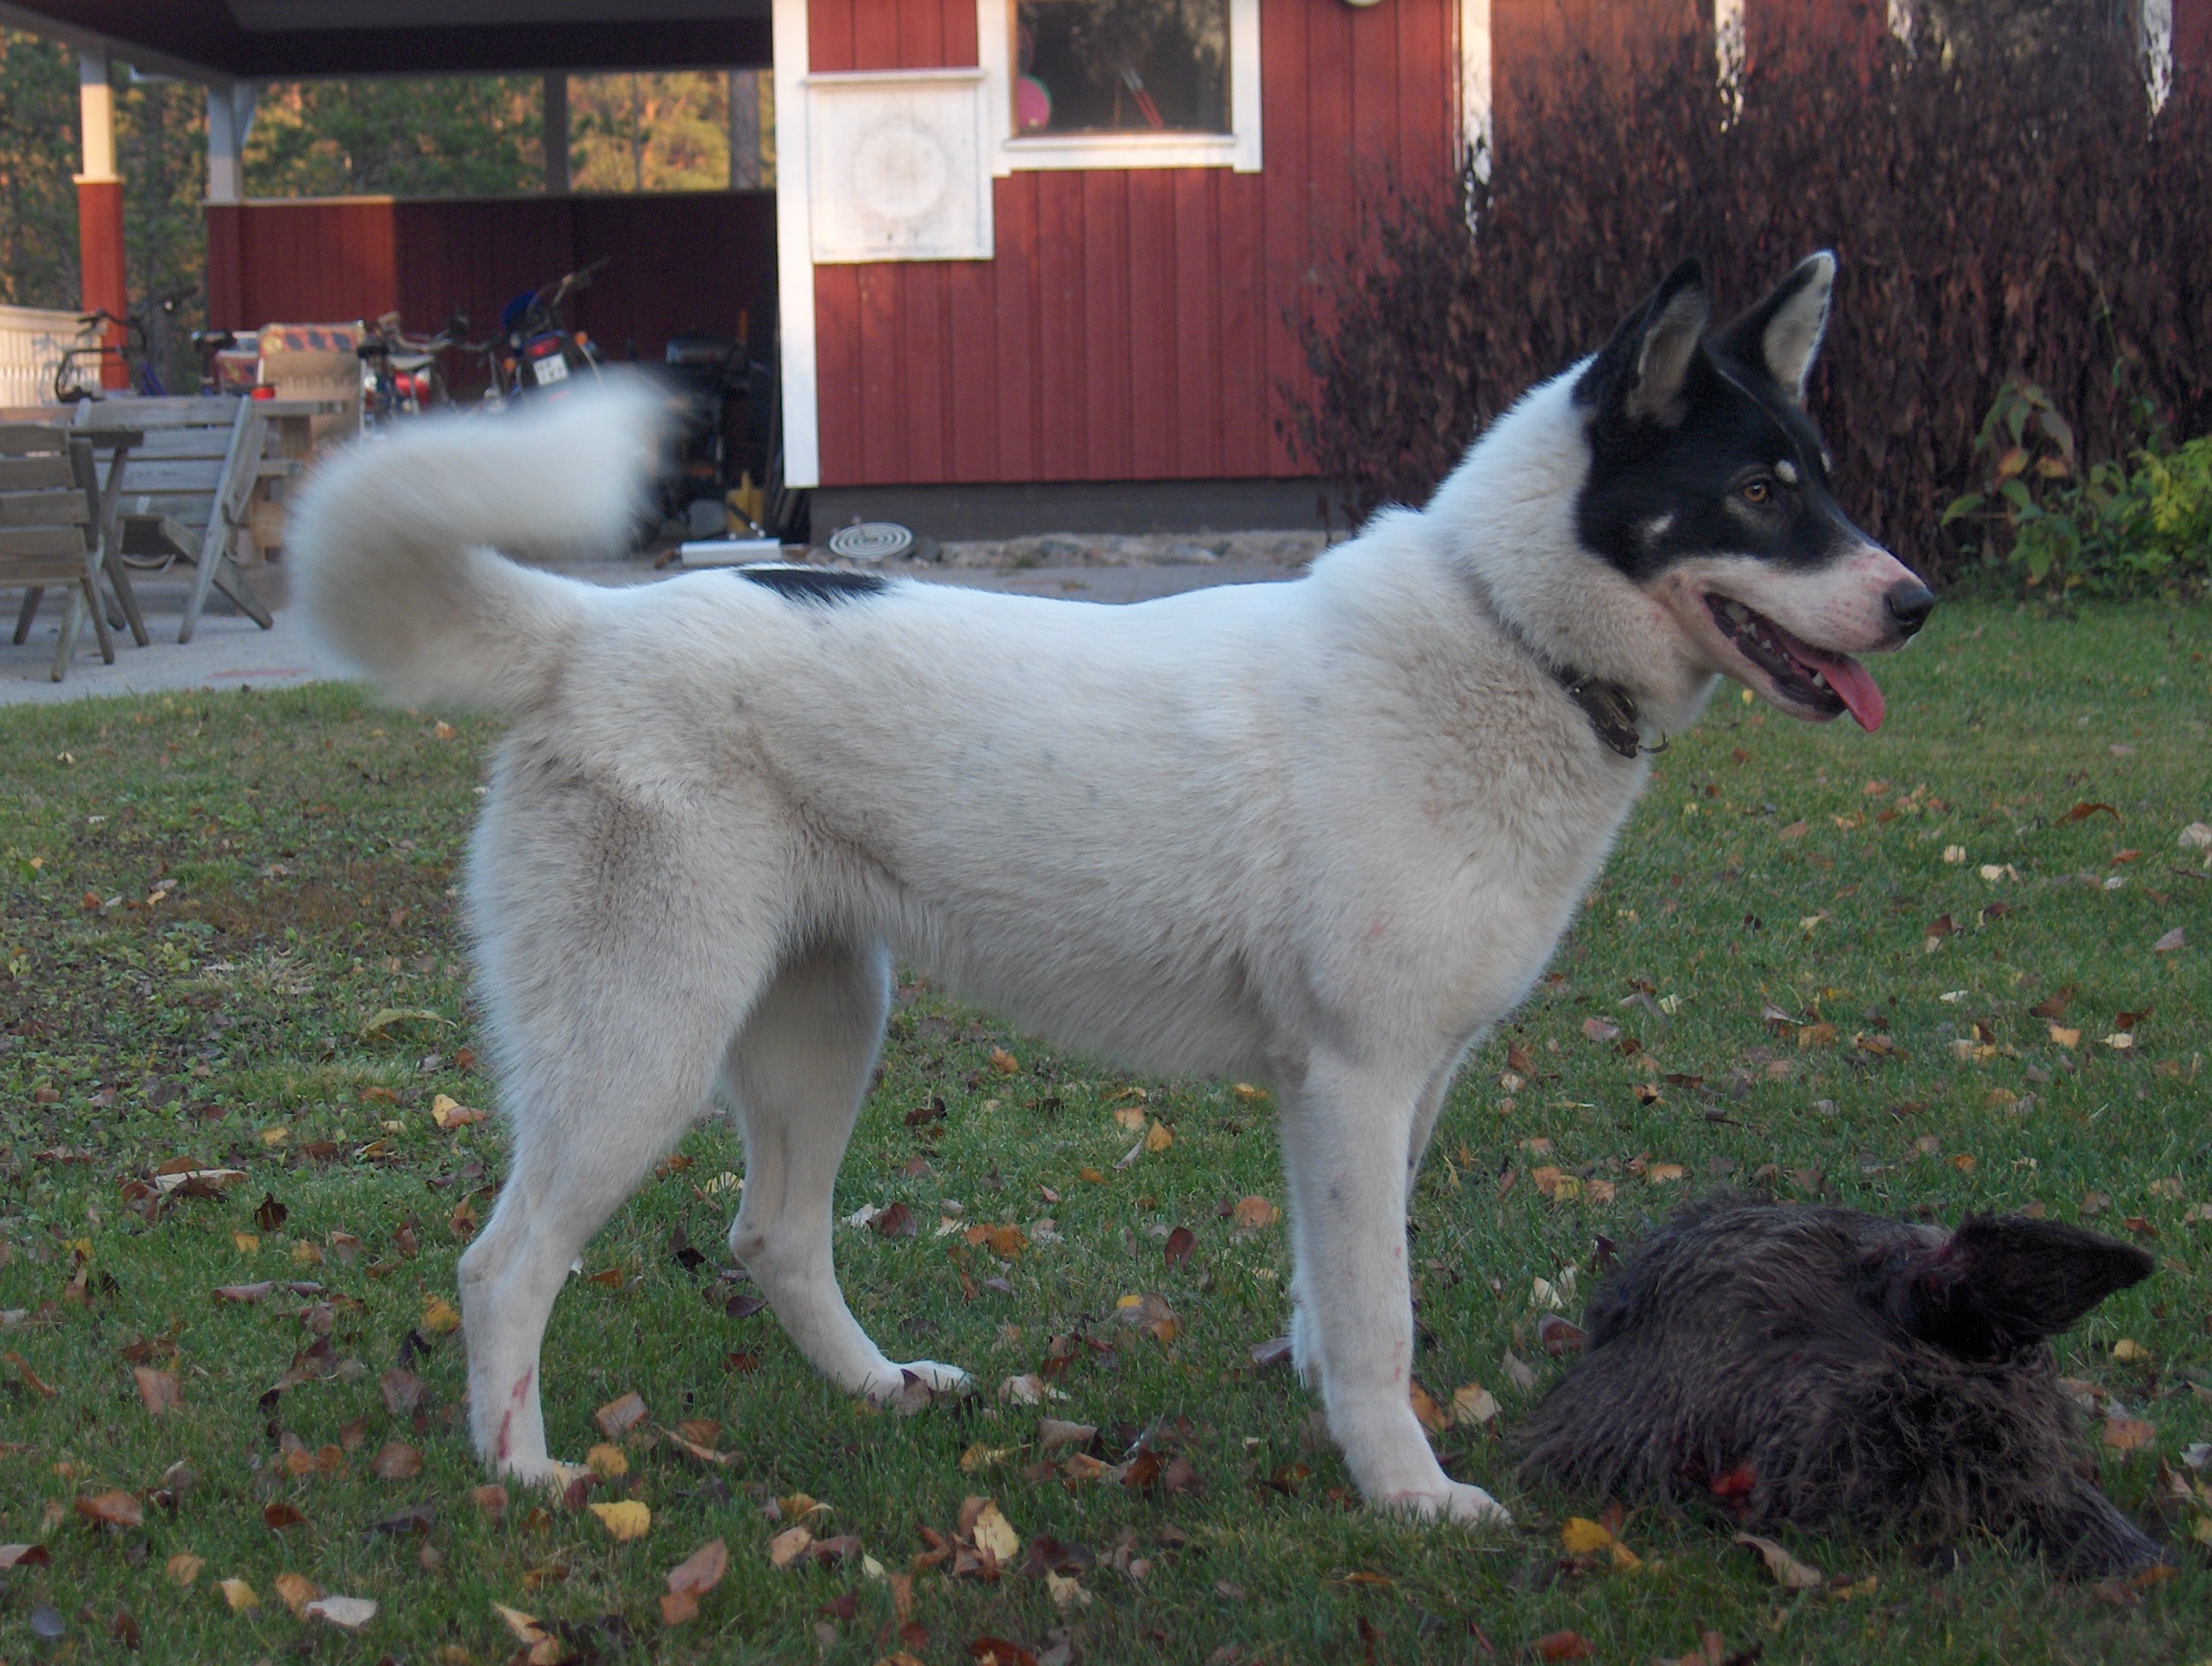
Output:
x=394 y=542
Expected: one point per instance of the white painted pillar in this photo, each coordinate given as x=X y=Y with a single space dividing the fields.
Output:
x=229 y=120
x=557 y=134
x=794 y=251
x=95 y=104
x=1478 y=93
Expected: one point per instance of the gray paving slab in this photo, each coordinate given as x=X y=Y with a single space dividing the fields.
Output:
x=229 y=650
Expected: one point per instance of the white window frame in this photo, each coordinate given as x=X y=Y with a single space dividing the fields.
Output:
x=1237 y=149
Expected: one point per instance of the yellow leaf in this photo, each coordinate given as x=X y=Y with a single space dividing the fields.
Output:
x=1581 y=1536
x=607 y=1462
x=624 y=1520
x=994 y=1533
x=184 y=1567
x=441 y=1315
x=1663 y=1174
x=296 y=1590
x=2065 y=1037
x=2129 y=1352
x=1158 y=1137
x=1130 y=1117
x=981 y=1457
x=238 y=1595
x=523 y=1626
x=247 y=1242
x=1004 y=1062
x=1249 y=1094
x=274 y=1137
x=788 y=1546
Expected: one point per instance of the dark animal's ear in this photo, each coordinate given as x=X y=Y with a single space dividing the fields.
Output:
x=2004 y=1281
x=1782 y=332
x=1638 y=375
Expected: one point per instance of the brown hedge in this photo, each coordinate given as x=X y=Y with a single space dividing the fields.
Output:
x=2021 y=217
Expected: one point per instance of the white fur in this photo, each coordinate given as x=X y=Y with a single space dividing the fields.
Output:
x=1322 y=834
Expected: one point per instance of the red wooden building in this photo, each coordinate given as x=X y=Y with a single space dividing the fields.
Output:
x=1016 y=248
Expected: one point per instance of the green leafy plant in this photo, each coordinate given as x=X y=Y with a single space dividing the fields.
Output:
x=2133 y=527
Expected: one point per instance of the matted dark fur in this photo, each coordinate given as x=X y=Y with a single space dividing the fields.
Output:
x=1833 y=1369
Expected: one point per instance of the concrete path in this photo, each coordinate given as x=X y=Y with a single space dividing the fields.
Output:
x=228 y=650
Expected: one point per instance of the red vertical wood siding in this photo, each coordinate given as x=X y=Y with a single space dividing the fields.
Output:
x=1134 y=324
x=676 y=262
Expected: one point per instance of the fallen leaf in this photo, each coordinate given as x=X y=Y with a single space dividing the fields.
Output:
x=1004 y=1062
x=30 y=1379
x=1158 y=1137
x=2127 y=1434
x=1180 y=1243
x=1599 y=1029
x=2082 y=811
x=184 y=1567
x=1427 y=1411
x=439 y=1316
x=691 y=1579
x=296 y=1590
x=396 y=1461
x=2063 y=1037
x=1558 y=1336
x=2175 y=939
x=895 y=1222
x=490 y=1500
x=624 y=1520
x=992 y=1531
x=280 y=1515
x=620 y=1415
x=449 y=1113
x=243 y=1293
x=1131 y=1119
x=607 y=1462
x=159 y=1389
x=1052 y=1434
x=1253 y=1212
x=112 y=1510
x=1562 y=1646
x=1472 y=1403
x=788 y=1546
x=238 y=1595
x=1789 y=1572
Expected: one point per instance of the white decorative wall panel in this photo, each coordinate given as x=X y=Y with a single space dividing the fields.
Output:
x=898 y=167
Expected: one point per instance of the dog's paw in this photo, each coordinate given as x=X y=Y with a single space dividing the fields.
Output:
x=940 y=1378
x=1458 y=1502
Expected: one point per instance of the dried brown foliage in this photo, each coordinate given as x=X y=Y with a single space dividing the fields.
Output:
x=2017 y=217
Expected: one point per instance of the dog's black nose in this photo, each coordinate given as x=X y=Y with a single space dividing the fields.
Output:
x=1910 y=604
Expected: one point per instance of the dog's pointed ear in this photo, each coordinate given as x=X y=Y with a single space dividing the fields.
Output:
x=2002 y=1281
x=1782 y=333
x=1637 y=377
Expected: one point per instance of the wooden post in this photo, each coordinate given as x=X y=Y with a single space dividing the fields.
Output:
x=100 y=207
x=555 y=128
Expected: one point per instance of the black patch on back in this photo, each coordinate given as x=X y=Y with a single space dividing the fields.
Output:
x=825 y=585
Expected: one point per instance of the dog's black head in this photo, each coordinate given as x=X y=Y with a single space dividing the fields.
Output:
x=1708 y=486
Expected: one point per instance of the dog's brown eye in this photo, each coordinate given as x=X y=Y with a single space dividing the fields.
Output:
x=1758 y=491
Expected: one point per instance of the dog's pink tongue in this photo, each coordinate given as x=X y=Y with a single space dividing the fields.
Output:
x=1848 y=678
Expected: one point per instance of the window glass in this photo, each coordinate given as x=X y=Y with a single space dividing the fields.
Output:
x=1120 y=66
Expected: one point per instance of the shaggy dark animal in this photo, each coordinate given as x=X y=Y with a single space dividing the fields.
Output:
x=1836 y=1370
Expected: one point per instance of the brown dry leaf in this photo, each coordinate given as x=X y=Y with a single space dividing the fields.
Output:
x=1253 y=1212
x=396 y=1461
x=2063 y=1037
x=1052 y=1434
x=1473 y=1404
x=279 y=1515
x=449 y=1113
x=788 y=1546
x=2172 y=943
x=2082 y=811
x=1432 y=1416
x=184 y=1567
x=1004 y=1062
x=1131 y=1118
x=2127 y=1434
x=112 y=1510
x=490 y=1500
x=1180 y=1243
x=1562 y=1646
x=159 y=1389
x=238 y=1292
x=1158 y=1137
x=30 y=1379
x=1664 y=1173
x=620 y=1415
x=1519 y=1372
x=895 y=1222
x=700 y=1450
x=296 y=1590
x=1789 y=1572
x=439 y=1316
x=1600 y=1030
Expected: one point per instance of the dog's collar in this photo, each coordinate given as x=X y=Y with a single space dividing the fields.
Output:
x=1610 y=708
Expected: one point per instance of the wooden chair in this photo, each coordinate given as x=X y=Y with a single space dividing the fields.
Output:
x=50 y=534
x=189 y=489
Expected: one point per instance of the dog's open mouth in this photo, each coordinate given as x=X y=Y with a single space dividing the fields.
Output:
x=1825 y=684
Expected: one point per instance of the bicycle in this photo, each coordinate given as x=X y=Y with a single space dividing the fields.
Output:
x=148 y=332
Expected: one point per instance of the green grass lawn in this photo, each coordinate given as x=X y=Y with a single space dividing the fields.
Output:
x=228 y=942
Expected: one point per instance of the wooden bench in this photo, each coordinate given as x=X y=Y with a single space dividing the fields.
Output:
x=50 y=526
x=191 y=486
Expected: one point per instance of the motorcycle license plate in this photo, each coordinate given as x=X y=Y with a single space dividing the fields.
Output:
x=550 y=369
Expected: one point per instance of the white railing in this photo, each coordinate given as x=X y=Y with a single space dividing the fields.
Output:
x=32 y=342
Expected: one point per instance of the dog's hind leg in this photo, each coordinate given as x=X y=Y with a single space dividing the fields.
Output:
x=605 y=1064
x=1346 y=1131
x=799 y=1069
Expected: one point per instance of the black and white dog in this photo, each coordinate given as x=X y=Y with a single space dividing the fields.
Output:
x=1322 y=834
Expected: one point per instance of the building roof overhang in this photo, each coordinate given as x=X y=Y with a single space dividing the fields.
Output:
x=224 y=40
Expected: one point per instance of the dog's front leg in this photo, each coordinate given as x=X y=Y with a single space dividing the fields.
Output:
x=1346 y=1131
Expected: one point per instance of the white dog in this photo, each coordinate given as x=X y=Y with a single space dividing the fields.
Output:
x=1322 y=834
